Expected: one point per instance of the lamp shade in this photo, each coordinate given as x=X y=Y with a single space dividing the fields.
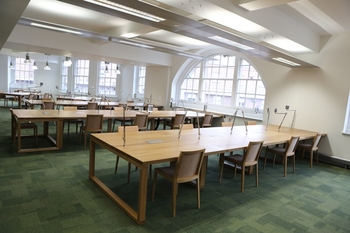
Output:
x=27 y=60
x=47 y=67
x=34 y=66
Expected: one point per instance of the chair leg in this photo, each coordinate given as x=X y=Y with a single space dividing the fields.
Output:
x=116 y=165
x=235 y=171
x=36 y=135
x=154 y=184
x=129 y=171
x=293 y=157
x=174 y=194
x=221 y=168
x=256 y=174
x=285 y=165
x=85 y=140
x=198 y=194
x=242 y=178
x=311 y=157
x=265 y=159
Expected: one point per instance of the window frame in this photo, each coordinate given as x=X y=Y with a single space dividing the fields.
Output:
x=251 y=112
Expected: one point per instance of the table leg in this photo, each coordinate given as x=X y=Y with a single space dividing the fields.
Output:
x=18 y=136
x=142 y=194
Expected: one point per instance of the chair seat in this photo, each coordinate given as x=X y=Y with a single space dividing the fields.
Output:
x=277 y=149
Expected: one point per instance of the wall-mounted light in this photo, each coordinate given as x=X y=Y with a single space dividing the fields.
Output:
x=34 y=66
x=27 y=60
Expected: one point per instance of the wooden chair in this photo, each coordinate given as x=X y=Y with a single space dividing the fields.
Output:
x=24 y=125
x=77 y=122
x=48 y=105
x=285 y=152
x=93 y=125
x=92 y=106
x=187 y=169
x=141 y=120
x=207 y=120
x=226 y=124
x=187 y=126
x=312 y=147
x=121 y=119
x=175 y=122
x=249 y=158
x=129 y=128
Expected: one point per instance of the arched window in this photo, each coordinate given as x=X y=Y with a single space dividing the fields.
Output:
x=224 y=81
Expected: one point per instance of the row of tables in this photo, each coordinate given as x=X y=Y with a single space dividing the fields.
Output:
x=82 y=103
x=58 y=116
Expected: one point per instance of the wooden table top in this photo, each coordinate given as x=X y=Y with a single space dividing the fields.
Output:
x=36 y=114
x=151 y=147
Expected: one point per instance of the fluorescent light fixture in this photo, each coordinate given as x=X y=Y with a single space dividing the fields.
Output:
x=27 y=60
x=129 y=35
x=285 y=61
x=136 y=44
x=125 y=9
x=34 y=66
x=55 y=28
x=230 y=42
x=47 y=67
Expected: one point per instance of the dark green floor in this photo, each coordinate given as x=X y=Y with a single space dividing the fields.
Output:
x=51 y=192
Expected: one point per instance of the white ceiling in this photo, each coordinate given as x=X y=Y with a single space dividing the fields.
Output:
x=274 y=28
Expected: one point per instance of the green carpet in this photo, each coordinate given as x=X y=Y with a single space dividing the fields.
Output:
x=51 y=192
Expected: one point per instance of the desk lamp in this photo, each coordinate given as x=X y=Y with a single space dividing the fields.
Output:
x=294 y=115
x=285 y=114
x=268 y=117
x=234 y=119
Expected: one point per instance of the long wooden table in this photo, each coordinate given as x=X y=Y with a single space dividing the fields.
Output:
x=18 y=95
x=58 y=116
x=152 y=147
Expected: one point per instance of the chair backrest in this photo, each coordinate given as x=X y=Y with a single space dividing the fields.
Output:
x=316 y=141
x=128 y=128
x=92 y=105
x=70 y=108
x=292 y=145
x=207 y=120
x=141 y=120
x=49 y=105
x=187 y=126
x=250 y=122
x=226 y=124
x=188 y=165
x=31 y=96
x=178 y=119
x=252 y=153
x=94 y=122
x=118 y=108
x=47 y=95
